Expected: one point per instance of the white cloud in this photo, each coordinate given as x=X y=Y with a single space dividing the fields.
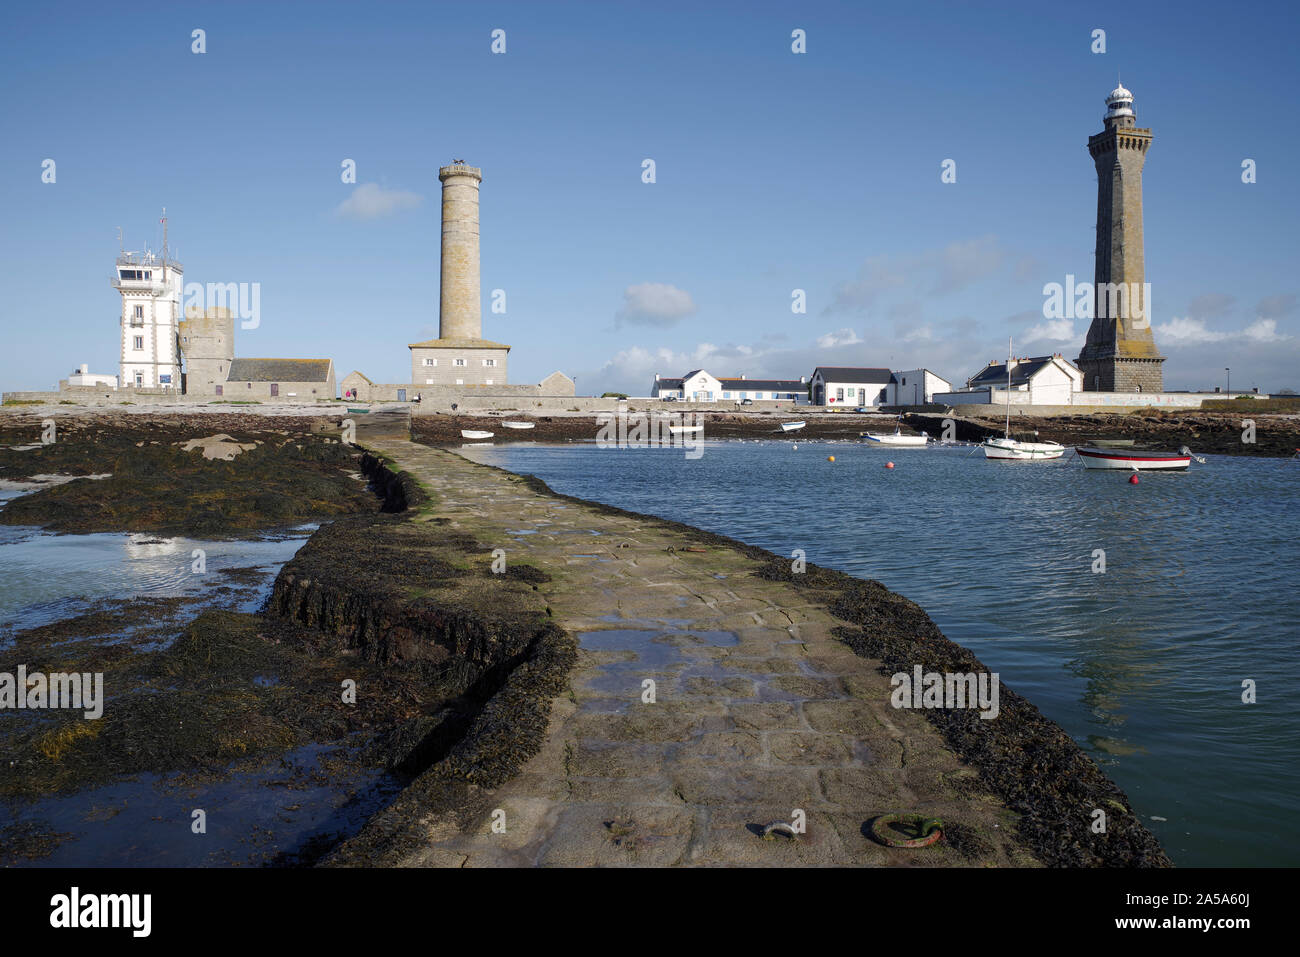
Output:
x=372 y=201
x=844 y=337
x=1054 y=330
x=654 y=304
x=1192 y=332
x=1186 y=332
x=1263 y=330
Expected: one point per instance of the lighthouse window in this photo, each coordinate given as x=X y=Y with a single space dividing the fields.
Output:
x=489 y=362
x=139 y=342
x=460 y=362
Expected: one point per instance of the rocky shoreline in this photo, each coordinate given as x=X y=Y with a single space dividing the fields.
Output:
x=458 y=670
x=1221 y=433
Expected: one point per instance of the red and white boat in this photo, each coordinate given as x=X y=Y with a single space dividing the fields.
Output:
x=1130 y=460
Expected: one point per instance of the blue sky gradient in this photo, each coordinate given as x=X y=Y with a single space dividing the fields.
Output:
x=775 y=171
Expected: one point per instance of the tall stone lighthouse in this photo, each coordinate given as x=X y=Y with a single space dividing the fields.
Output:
x=1120 y=354
x=460 y=356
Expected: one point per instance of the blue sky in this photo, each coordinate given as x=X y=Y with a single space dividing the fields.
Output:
x=775 y=172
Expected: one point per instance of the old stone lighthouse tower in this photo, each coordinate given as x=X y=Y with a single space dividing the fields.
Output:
x=1120 y=353
x=460 y=356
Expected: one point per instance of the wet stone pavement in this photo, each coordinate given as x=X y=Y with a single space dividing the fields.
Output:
x=755 y=711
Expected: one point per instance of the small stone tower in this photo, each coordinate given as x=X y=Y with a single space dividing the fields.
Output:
x=460 y=312
x=1120 y=353
x=208 y=349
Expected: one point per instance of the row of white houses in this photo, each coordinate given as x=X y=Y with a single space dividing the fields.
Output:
x=831 y=387
x=1040 y=380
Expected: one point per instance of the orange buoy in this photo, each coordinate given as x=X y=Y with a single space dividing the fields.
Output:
x=889 y=465
x=830 y=458
x=1133 y=479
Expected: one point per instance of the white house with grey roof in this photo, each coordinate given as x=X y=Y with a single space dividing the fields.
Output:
x=849 y=387
x=700 y=386
x=1037 y=380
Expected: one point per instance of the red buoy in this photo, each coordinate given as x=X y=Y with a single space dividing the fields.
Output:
x=889 y=465
x=1133 y=479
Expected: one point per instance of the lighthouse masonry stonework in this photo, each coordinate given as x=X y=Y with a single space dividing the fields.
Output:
x=1120 y=353
x=460 y=356
x=460 y=310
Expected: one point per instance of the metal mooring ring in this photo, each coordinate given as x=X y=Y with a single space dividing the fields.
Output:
x=928 y=830
x=779 y=827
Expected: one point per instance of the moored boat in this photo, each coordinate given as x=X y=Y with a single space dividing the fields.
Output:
x=681 y=429
x=518 y=425
x=792 y=426
x=896 y=439
x=1009 y=449
x=1130 y=460
x=475 y=434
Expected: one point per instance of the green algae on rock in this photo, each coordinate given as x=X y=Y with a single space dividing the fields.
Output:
x=155 y=485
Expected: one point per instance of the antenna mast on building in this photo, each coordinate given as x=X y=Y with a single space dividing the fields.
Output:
x=164 y=225
x=121 y=244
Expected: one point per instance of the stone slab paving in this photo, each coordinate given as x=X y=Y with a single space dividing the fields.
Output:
x=757 y=711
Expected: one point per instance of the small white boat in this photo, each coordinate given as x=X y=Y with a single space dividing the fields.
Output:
x=1008 y=448
x=518 y=425
x=475 y=434
x=1134 y=460
x=680 y=429
x=896 y=439
x=792 y=426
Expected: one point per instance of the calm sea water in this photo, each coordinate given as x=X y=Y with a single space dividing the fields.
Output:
x=1142 y=664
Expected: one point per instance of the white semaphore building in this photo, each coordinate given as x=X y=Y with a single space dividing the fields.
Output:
x=151 y=288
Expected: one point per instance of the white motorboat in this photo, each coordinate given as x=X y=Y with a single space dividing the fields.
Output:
x=518 y=425
x=1007 y=449
x=682 y=429
x=792 y=426
x=1135 y=460
x=475 y=434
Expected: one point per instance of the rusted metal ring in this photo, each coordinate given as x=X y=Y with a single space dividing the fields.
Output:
x=779 y=827
x=928 y=830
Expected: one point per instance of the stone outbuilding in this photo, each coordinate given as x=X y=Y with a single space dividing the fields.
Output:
x=280 y=378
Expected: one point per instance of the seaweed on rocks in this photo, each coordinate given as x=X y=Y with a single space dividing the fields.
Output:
x=454 y=670
x=156 y=482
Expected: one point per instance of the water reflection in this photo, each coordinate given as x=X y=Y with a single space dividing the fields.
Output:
x=1141 y=664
